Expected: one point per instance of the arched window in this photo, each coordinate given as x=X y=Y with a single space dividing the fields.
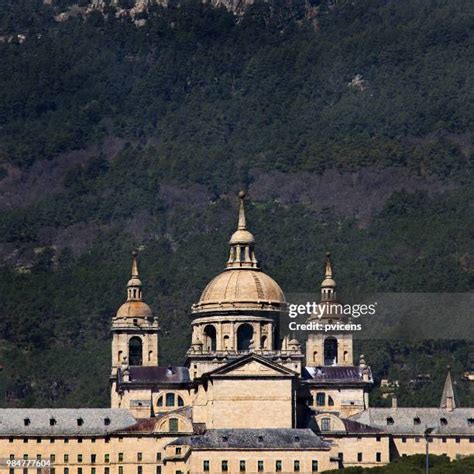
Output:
x=263 y=342
x=170 y=399
x=135 y=351
x=180 y=402
x=160 y=402
x=320 y=399
x=315 y=356
x=326 y=424
x=244 y=337
x=226 y=342
x=150 y=355
x=330 y=401
x=173 y=425
x=210 y=338
x=330 y=351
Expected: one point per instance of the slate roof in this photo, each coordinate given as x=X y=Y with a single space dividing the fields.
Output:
x=444 y=422
x=37 y=421
x=167 y=375
x=336 y=374
x=255 y=439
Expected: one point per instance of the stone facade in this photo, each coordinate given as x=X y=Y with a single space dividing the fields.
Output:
x=246 y=400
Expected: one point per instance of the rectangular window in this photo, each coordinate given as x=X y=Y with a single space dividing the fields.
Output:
x=139 y=470
x=178 y=450
x=25 y=471
x=93 y=458
x=417 y=439
x=52 y=470
x=443 y=439
x=404 y=439
x=242 y=466
x=106 y=458
x=120 y=469
x=79 y=470
x=158 y=456
x=471 y=439
x=278 y=466
x=225 y=466
x=38 y=457
x=11 y=471
x=341 y=456
x=158 y=470
x=120 y=457
x=107 y=470
x=296 y=466
x=260 y=466
x=359 y=457
x=139 y=456
x=79 y=458
x=314 y=465
x=52 y=458
x=205 y=466
x=378 y=457
x=66 y=470
x=38 y=471
x=93 y=471
x=66 y=458
x=378 y=438
x=173 y=424
x=458 y=439
x=170 y=399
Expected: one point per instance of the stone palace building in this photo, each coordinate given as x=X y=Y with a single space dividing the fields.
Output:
x=245 y=401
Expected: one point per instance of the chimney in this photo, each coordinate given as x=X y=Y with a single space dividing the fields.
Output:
x=394 y=401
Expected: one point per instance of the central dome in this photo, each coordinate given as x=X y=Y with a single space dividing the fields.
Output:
x=241 y=289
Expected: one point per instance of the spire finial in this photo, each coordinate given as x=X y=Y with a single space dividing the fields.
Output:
x=328 y=266
x=134 y=264
x=242 y=254
x=447 y=399
x=134 y=285
x=328 y=285
x=242 y=221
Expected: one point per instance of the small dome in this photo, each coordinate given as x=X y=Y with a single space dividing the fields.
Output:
x=134 y=309
x=328 y=282
x=294 y=342
x=241 y=289
x=134 y=281
x=242 y=237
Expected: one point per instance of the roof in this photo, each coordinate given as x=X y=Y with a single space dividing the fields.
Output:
x=66 y=421
x=353 y=426
x=336 y=374
x=460 y=421
x=241 y=289
x=279 y=370
x=154 y=374
x=255 y=439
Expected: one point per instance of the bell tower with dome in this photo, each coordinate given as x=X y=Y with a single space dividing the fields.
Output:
x=134 y=330
x=239 y=311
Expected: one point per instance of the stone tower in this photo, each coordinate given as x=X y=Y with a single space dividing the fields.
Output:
x=239 y=310
x=134 y=331
x=329 y=349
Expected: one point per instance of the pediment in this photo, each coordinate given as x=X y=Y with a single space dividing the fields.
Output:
x=252 y=366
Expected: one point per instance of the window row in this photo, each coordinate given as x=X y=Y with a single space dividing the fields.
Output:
x=260 y=465
x=80 y=458
x=80 y=470
x=53 y=421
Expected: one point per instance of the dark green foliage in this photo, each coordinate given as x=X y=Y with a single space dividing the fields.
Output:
x=203 y=102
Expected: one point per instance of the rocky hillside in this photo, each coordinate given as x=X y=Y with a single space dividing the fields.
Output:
x=351 y=129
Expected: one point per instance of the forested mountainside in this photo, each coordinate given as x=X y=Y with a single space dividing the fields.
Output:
x=349 y=122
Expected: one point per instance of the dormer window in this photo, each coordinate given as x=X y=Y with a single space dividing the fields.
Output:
x=297 y=439
x=106 y=421
x=26 y=422
x=416 y=421
x=80 y=422
x=390 y=421
x=443 y=421
x=224 y=438
x=52 y=421
x=470 y=421
x=260 y=439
